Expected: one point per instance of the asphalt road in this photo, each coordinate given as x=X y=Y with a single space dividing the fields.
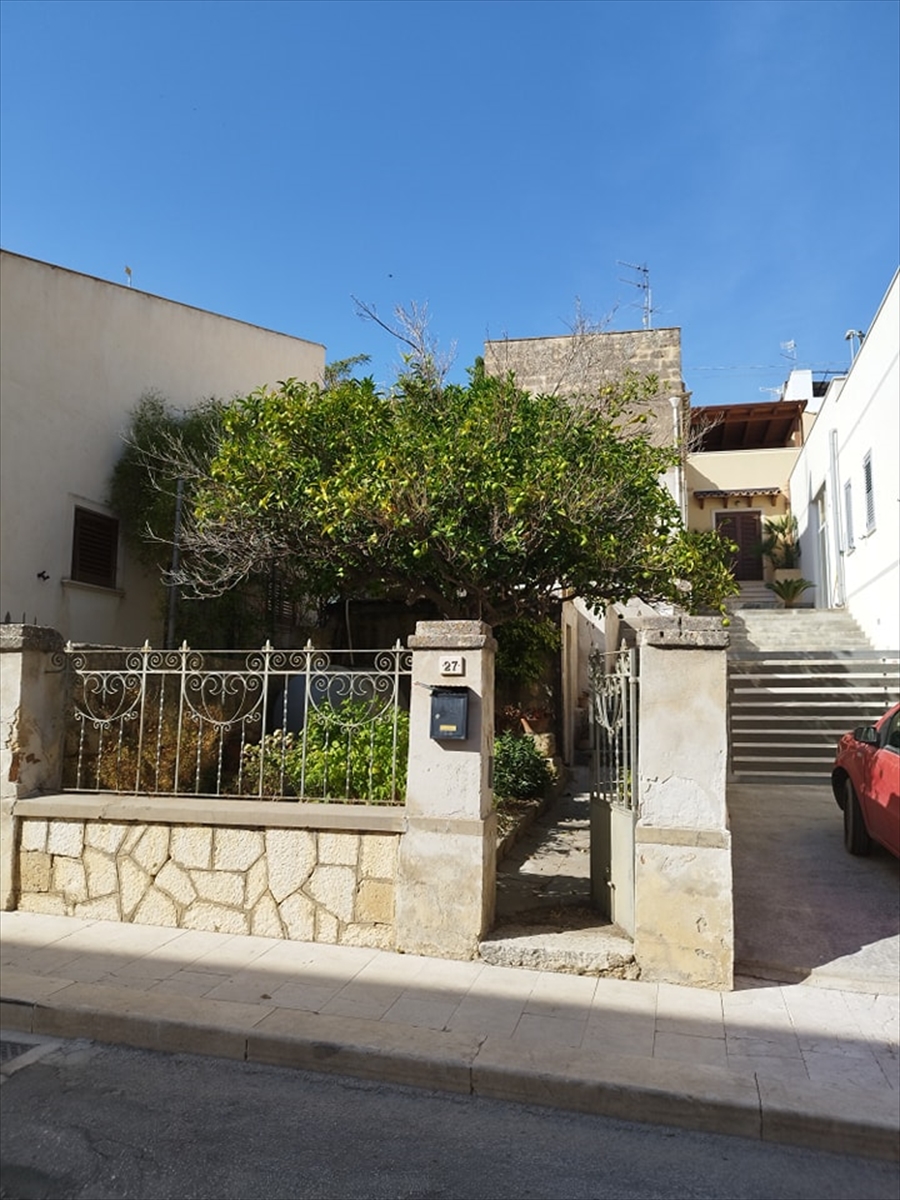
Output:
x=90 y=1122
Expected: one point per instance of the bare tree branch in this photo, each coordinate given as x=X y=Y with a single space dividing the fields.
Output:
x=425 y=359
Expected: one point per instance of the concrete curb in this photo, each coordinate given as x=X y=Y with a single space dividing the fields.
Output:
x=652 y=1091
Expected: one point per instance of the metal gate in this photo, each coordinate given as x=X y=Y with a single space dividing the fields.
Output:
x=614 y=799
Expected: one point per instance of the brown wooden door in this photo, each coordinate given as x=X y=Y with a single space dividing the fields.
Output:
x=745 y=528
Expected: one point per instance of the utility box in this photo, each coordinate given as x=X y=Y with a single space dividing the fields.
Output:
x=449 y=713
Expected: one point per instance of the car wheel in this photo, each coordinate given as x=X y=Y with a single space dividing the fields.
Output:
x=856 y=837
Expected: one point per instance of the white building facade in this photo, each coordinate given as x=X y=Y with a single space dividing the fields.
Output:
x=76 y=355
x=845 y=486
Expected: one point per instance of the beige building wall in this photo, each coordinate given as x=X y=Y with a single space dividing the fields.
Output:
x=76 y=355
x=741 y=472
x=730 y=470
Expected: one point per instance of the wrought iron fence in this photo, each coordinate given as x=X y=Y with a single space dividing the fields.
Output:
x=614 y=727
x=305 y=724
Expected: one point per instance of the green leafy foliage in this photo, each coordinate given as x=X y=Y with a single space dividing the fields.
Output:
x=164 y=447
x=524 y=648
x=485 y=499
x=781 y=542
x=342 y=369
x=345 y=753
x=790 y=590
x=520 y=771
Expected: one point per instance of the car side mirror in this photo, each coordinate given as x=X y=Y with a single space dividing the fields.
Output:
x=867 y=734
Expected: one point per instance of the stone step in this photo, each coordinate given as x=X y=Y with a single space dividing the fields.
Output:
x=791 y=633
x=789 y=707
x=737 y=648
x=813 y=629
x=798 y=629
x=594 y=949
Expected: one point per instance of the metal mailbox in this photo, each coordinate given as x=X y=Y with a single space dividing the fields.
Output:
x=449 y=713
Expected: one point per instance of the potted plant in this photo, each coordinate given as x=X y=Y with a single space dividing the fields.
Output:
x=536 y=718
x=781 y=546
x=533 y=718
x=789 y=590
x=527 y=650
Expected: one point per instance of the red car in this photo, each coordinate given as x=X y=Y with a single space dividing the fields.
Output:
x=865 y=780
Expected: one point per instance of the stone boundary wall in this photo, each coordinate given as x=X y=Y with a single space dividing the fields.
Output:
x=326 y=885
x=417 y=878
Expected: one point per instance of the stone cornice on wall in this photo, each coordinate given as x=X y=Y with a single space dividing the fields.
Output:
x=191 y=810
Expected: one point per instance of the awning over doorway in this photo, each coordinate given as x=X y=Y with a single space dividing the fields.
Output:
x=746 y=494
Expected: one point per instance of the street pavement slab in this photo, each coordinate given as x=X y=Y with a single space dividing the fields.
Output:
x=781 y=1062
x=803 y=1051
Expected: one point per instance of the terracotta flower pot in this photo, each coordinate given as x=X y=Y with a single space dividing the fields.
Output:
x=536 y=724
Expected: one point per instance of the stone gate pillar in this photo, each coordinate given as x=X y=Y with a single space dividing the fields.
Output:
x=446 y=881
x=32 y=719
x=684 y=924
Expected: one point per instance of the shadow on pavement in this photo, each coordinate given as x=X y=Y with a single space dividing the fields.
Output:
x=803 y=907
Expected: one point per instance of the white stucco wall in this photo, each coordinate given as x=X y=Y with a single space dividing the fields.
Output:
x=860 y=416
x=76 y=355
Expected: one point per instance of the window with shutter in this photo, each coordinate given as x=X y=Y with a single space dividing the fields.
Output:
x=95 y=545
x=870 y=492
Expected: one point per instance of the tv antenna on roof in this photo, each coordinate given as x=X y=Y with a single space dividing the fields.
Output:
x=855 y=337
x=643 y=285
x=789 y=350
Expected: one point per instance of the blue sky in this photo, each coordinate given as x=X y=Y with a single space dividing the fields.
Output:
x=493 y=159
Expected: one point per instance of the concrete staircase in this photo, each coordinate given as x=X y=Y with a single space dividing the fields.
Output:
x=766 y=630
x=798 y=679
x=753 y=594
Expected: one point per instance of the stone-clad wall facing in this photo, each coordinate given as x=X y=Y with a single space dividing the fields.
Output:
x=301 y=884
x=570 y=364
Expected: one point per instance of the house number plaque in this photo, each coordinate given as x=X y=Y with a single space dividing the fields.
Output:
x=453 y=664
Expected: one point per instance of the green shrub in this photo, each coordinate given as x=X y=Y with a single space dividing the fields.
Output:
x=520 y=771
x=349 y=756
x=526 y=648
x=789 y=590
x=781 y=542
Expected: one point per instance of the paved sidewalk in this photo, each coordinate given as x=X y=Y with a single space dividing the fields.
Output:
x=783 y=1063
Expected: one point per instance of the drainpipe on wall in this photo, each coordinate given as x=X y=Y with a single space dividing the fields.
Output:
x=839 y=599
x=675 y=401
